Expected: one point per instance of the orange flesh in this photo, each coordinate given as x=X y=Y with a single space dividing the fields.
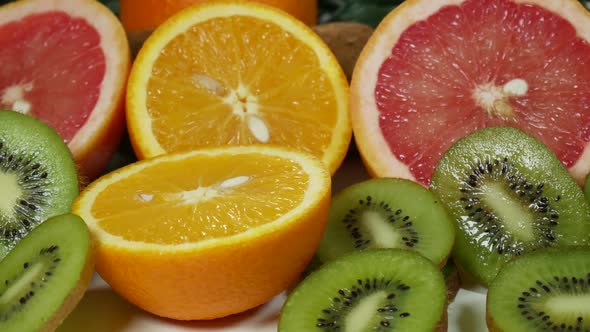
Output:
x=199 y=72
x=183 y=202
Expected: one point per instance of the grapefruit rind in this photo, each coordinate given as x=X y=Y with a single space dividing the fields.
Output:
x=139 y=125
x=91 y=147
x=373 y=148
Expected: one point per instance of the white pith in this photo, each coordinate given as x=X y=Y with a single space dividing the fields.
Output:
x=14 y=97
x=364 y=111
x=115 y=72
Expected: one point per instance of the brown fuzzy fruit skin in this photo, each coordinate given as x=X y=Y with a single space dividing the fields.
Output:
x=75 y=295
x=346 y=40
x=492 y=327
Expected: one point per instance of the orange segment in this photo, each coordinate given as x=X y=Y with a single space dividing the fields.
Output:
x=207 y=233
x=237 y=73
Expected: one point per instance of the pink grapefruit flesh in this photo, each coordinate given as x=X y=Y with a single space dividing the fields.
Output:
x=66 y=63
x=56 y=70
x=464 y=65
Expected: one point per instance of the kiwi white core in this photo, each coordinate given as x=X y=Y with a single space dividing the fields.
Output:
x=10 y=192
x=568 y=305
x=381 y=233
x=517 y=220
x=14 y=291
x=359 y=317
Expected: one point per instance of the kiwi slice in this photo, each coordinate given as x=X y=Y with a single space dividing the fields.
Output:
x=38 y=177
x=547 y=290
x=387 y=213
x=587 y=188
x=508 y=195
x=372 y=290
x=45 y=275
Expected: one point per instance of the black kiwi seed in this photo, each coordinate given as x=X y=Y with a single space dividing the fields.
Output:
x=526 y=199
x=536 y=307
x=307 y=310
x=387 y=213
x=42 y=168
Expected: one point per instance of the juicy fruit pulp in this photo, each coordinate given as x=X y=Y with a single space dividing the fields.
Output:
x=387 y=213
x=508 y=195
x=277 y=83
x=207 y=233
x=373 y=290
x=38 y=177
x=65 y=63
x=476 y=64
x=545 y=290
x=45 y=276
x=42 y=56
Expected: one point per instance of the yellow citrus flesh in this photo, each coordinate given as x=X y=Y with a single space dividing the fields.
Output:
x=207 y=233
x=237 y=73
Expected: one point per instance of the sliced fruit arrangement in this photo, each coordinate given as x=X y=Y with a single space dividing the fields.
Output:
x=387 y=213
x=46 y=275
x=547 y=290
x=508 y=195
x=66 y=63
x=38 y=177
x=207 y=233
x=373 y=290
x=435 y=71
x=237 y=73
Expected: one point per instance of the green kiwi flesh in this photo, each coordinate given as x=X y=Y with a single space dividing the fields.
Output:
x=587 y=188
x=45 y=275
x=387 y=213
x=38 y=177
x=546 y=290
x=372 y=290
x=508 y=195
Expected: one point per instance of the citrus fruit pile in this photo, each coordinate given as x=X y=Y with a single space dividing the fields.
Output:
x=473 y=114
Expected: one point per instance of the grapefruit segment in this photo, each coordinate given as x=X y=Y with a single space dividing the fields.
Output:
x=435 y=71
x=66 y=64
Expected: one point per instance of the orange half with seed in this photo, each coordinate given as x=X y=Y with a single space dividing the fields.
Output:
x=237 y=73
x=207 y=233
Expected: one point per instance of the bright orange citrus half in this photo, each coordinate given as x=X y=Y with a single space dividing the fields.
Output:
x=237 y=73
x=207 y=233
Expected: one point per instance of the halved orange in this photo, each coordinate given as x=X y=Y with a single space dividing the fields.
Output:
x=237 y=73
x=207 y=233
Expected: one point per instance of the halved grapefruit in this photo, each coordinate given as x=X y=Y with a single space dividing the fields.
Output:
x=437 y=70
x=66 y=63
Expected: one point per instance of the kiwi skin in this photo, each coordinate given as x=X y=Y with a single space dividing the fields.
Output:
x=78 y=291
